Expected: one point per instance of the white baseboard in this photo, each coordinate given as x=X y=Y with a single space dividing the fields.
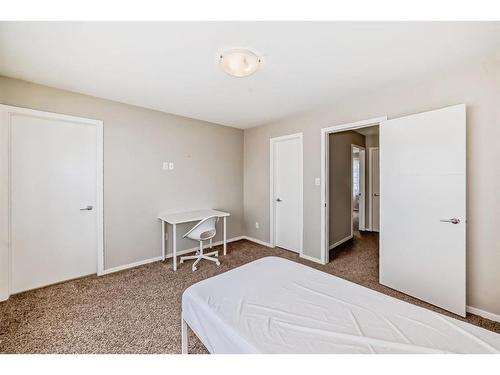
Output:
x=131 y=265
x=260 y=242
x=341 y=241
x=312 y=259
x=186 y=251
x=267 y=244
x=482 y=313
x=159 y=258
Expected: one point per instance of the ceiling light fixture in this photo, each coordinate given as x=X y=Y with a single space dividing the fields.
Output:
x=239 y=62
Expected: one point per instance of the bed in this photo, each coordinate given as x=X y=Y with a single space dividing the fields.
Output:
x=273 y=305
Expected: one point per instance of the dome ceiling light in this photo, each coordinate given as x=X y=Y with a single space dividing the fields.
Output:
x=239 y=62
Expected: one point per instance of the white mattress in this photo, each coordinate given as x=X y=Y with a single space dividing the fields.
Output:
x=274 y=305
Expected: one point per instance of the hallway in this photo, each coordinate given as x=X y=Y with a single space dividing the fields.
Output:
x=357 y=259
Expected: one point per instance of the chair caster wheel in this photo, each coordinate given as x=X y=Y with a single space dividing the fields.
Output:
x=216 y=255
x=218 y=263
x=181 y=261
x=194 y=269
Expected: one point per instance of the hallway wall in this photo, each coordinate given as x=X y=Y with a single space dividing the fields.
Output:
x=340 y=183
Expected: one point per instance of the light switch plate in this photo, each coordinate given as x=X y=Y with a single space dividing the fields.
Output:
x=317 y=181
x=165 y=166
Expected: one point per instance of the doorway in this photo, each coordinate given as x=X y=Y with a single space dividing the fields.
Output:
x=353 y=133
x=358 y=186
x=420 y=197
x=286 y=207
x=349 y=212
x=53 y=224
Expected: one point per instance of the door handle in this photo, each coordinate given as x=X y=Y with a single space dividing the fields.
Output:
x=278 y=200
x=453 y=220
x=88 y=208
x=376 y=194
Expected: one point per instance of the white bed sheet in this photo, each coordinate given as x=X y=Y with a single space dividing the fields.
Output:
x=274 y=305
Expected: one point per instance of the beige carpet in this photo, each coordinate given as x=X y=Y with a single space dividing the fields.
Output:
x=138 y=310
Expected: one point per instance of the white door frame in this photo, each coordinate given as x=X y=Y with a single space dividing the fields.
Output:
x=324 y=209
x=370 y=188
x=272 y=143
x=6 y=113
x=362 y=182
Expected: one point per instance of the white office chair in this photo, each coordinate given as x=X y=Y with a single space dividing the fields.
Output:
x=203 y=231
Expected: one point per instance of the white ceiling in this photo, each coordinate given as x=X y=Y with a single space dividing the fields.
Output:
x=173 y=66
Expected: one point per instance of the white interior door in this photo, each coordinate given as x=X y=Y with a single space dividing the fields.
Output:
x=362 y=189
x=423 y=200
x=287 y=196
x=53 y=199
x=375 y=181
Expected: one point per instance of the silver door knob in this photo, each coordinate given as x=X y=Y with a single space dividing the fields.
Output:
x=88 y=208
x=453 y=220
x=278 y=200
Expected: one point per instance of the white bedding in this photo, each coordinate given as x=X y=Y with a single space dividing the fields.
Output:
x=274 y=305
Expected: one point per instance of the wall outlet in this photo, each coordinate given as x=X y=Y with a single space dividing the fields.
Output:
x=256 y=225
x=167 y=165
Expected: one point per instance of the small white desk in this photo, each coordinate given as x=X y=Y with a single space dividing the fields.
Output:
x=186 y=217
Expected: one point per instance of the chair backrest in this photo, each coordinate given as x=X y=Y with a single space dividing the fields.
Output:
x=204 y=230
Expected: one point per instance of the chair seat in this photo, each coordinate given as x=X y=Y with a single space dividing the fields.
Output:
x=203 y=231
x=208 y=234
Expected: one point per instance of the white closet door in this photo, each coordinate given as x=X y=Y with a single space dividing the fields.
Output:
x=53 y=181
x=288 y=193
x=423 y=200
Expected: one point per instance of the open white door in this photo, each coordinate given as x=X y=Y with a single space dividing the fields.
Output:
x=423 y=206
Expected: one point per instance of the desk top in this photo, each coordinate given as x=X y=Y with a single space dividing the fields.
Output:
x=186 y=217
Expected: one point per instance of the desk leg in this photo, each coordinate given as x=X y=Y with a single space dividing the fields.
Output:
x=174 y=247
x=162 y=240
x=225 y=242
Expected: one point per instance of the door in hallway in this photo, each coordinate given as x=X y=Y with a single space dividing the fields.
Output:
x=375 y=188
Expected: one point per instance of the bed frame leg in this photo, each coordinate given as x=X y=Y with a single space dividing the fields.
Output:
x=184 y=336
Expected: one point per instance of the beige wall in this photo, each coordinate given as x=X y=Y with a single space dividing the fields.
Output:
x=340 y=183
x=208 y=167
x=477 y=86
